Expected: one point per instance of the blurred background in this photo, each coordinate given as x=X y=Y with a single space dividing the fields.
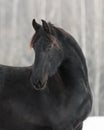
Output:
x=84 y=19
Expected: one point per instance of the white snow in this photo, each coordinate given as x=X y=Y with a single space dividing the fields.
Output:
x=94 y=123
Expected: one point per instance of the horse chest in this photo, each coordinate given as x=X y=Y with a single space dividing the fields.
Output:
x=54 y=109
x=58 y=108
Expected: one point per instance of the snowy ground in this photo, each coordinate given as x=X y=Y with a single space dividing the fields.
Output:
x=94 y=123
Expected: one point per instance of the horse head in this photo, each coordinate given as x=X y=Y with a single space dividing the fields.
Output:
x=48 y=54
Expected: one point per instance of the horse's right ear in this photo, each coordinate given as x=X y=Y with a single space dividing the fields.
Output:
x=35 y=25
x=46 y=26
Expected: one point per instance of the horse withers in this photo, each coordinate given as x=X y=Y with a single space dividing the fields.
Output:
x=54 y=92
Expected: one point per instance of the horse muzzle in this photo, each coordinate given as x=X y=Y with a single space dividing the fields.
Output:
x=39 y=85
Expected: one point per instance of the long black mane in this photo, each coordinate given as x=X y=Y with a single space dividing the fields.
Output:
x=69 y=39
x=70 y=43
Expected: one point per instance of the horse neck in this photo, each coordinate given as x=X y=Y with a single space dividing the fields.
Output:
x=73 y=67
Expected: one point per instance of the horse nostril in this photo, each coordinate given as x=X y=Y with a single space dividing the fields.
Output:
x=38 y=84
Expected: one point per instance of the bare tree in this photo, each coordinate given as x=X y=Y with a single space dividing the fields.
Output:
x=83 y=26
x=53 y=10
x=97 y=42
x=42 y=8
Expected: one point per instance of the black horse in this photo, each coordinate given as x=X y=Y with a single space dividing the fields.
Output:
x=54 y=92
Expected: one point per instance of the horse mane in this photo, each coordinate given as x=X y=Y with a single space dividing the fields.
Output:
x=69 y=39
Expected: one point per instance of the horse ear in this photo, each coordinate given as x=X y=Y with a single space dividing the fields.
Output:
x=45 y=26
x=35 y=25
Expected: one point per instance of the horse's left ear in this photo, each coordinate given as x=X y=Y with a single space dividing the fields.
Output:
x=46 y=26
x=35 y=25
